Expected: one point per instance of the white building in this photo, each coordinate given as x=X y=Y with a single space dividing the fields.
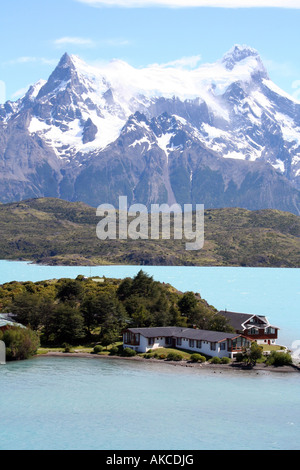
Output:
x=210 y=343
x=255 y=327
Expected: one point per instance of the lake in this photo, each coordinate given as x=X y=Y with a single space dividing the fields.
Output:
x=114 y=404
x=274 y=292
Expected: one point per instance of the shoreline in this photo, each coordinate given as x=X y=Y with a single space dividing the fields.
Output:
x=206 y=366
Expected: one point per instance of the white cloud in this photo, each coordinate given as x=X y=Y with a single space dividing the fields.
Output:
x=115 y=42
x=86 y=42
x=185 y=62
x=65 y=41
x=195 y=3
x=20 y=93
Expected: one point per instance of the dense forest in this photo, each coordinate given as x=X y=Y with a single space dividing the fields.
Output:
x=86 y=310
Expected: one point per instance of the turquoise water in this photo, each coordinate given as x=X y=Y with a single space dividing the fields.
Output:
x=274 y=292
x=90 y=404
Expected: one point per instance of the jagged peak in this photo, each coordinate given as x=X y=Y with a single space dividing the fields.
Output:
x=239 y=53
x=63 y=73
x=65 y=60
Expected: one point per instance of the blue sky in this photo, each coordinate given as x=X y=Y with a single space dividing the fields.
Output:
x=35 y=33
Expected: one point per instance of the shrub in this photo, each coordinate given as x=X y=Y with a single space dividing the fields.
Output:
x=225 y=360
x=21 y=343
x=162 y=356
x=172 y=356
x=279 y=359
x=215 y=360
x=98 y=349
x=128 y=352
x=197 y=358
x=67 y=348
x=114 y=351
x=239 y=357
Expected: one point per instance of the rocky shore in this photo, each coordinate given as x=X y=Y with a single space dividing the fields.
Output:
x=235 y=366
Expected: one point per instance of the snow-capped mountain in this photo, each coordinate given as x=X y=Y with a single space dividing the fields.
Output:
x=223 y=134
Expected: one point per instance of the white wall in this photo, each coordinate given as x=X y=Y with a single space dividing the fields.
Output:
x=161 y=343
x=205 y=348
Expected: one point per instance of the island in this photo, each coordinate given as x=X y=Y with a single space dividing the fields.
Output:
x=131 y=317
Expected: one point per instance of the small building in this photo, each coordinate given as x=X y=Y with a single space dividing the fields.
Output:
x=255 y=327
x=6 y=322
x=210 y=343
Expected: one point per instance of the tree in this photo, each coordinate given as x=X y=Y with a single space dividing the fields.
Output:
x=21 y=343
x=176 y=319
x=67 y=325
x=253 y=354
x=220 y=323
x=142 y=284
x=108 y=336
x=141 y=317
x=25 y=309
x=69 y=290
x=187 y=303
x=124 y=289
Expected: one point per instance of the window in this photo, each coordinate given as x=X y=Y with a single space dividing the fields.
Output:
x=222 y=346
x=253 y=331
x=199 y=344
x=179 y=341
x=213 y=346
x=150 y=341
x=191 y=343
x=270 y=331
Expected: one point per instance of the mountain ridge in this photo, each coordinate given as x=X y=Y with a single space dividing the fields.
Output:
x=57 y=232
x=223 y=135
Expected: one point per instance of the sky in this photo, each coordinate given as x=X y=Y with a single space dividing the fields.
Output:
x=34 y=35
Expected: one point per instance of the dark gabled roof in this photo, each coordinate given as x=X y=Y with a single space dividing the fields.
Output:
x=178 y=332
x=156 y=331
x=237 y=319
x=205 y=335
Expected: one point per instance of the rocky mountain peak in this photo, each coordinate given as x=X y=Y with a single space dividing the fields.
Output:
x=239 y=53
x=214 y=133
x=65 y=73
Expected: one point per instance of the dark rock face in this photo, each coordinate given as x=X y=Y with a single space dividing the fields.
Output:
x=241 y=153
x=89 y=131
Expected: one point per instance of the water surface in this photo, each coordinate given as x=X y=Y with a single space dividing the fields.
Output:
x=113 y=404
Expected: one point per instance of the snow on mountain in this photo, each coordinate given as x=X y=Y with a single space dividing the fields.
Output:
x=229 y=110
x=109 y=94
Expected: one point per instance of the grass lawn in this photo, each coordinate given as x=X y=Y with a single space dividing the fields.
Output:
x=272 y=347
x=88 y=349
x=165 y=351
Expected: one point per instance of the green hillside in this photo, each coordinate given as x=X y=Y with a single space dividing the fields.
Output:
x=56 y=232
